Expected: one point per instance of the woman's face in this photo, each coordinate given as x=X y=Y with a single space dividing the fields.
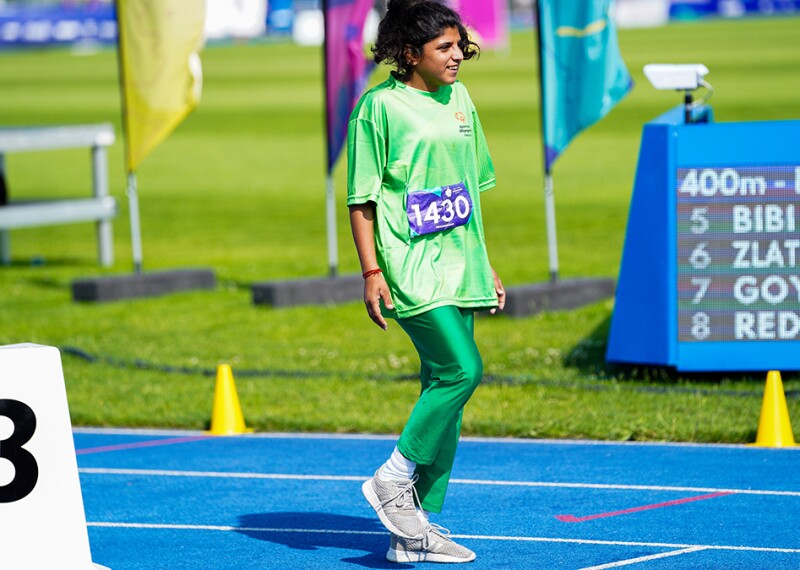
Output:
x=439 y=62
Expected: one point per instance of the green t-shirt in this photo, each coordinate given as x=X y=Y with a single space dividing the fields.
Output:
x=401 y=142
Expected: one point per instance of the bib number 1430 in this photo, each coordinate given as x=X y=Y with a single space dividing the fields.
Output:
x=438 y=209
x=26 y=471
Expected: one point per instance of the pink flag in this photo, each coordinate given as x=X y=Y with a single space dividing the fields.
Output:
x=488 y=18
x=346 y=66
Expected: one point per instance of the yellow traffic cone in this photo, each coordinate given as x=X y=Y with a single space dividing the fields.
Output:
x=226 y=415
x=774 y=427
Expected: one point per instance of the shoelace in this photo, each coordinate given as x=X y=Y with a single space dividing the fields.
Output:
x=407 y=492
x=435 y=528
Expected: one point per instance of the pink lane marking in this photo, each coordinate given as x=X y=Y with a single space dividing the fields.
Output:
x=140 y=444
x=574 y=519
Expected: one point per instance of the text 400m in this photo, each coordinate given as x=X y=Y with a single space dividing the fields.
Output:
x=730 y=182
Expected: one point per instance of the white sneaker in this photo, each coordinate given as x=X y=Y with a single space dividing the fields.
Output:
x=435 y=546
x=394 y=502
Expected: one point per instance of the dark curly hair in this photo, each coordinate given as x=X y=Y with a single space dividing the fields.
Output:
x=408 y=25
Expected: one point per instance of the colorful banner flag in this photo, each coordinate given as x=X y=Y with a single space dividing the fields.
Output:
x=487 y=18
x=346 y=66
x=582 y=72
x=160 y=69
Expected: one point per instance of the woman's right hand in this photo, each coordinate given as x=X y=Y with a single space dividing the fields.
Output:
x=362 y=222
x=375 y=291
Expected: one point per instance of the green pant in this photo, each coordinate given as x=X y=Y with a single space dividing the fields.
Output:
x=451 y=369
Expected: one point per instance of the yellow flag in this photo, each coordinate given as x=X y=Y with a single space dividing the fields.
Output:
x=160 y=69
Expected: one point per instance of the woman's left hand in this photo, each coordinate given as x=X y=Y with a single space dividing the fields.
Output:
x=501 y=293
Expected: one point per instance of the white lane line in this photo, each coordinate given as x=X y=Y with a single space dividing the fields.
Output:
x=625 y=487
x=544 y=484
x=257 y=435
x=222 y=528
x=218 y=474
x=645 y=558
x=393 y=437
x=629 y=543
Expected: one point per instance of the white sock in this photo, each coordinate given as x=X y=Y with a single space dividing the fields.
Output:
x=397 y=467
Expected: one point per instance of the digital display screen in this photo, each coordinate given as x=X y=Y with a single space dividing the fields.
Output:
x=738 y=253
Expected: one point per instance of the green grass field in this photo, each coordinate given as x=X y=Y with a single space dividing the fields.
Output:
x=239 y=188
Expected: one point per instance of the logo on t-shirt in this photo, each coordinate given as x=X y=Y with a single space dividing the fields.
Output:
x=464 y=128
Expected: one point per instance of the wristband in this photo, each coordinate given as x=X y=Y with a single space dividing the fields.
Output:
x=371 y=272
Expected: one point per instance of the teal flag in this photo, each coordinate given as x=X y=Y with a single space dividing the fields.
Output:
x=582 y=72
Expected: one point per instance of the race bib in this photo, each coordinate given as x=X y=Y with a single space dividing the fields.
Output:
x=438 y=209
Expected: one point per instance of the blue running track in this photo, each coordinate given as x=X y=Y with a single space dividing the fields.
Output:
x=181 y=500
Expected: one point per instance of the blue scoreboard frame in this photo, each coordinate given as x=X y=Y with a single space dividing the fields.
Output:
x=710 y=271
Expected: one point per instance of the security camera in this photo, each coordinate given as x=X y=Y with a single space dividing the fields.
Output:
x=681 y=77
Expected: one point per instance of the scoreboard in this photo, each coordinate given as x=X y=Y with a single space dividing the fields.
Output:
x=710 y=273
x=737 y=255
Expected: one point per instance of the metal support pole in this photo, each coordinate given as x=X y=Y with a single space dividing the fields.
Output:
x=549 y=199
x=136 y=233
x=550 y=218
x=687 y=107
x=5 y=235
x=105 y=238
x=330 y=207
x=3 y=186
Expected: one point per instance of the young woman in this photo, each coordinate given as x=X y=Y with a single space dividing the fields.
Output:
x=417 y=163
